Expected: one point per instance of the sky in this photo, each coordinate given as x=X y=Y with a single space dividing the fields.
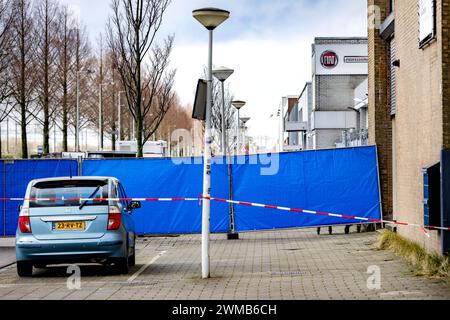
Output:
x=266 y=42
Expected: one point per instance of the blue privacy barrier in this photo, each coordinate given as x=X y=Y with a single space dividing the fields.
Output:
x=14 y=178
x=341 y=181
x=162 y=178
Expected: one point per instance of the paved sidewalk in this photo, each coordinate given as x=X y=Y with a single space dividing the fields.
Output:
x=7 y=251
x=263 y=265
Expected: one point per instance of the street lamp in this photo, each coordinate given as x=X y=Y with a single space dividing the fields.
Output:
x=100 y=112
x=210 y=18
x=77 y=128
x=244 y=122
x=222 y=74
x=238 y=105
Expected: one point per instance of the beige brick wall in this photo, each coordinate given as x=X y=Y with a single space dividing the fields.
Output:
x=418 y=137
x=421 y=127
x=380 y=126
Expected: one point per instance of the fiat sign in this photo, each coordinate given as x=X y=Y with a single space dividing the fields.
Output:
x=329 y=59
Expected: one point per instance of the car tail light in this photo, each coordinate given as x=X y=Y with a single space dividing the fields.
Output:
x=24 y=221
x=114 y=218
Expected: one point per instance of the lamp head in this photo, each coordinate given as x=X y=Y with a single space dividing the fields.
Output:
x=245 y=120
x=210 y=18
x=222 y=73
x=238 y=104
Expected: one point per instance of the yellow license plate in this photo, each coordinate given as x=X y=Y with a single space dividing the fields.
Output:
x=69 y=226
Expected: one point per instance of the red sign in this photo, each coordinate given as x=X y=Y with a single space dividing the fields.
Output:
x=329 y=59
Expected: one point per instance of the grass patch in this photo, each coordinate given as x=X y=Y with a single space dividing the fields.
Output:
x=424 y=264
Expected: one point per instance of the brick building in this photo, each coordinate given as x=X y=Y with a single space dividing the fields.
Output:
x=409 y=112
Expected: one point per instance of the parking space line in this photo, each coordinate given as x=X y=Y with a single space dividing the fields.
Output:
x=145 y=266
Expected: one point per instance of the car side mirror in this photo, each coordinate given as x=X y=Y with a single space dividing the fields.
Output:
x=135 y=205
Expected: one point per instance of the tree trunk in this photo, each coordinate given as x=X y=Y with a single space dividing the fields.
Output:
x=23 y=127
x=0 y=141
x=46 y=102
x=113 y=126
x=65 y=119
x=139 y=137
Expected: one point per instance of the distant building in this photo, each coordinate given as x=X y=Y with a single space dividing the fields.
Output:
x=290 y=116
x=339 y=68
x=409 y=113
x=331 y=111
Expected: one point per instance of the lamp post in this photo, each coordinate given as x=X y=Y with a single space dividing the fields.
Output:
x=77 y=126
x=100 y=112
x=210 y=18
x=222 y=74
x=238 y=105
x=244 y=122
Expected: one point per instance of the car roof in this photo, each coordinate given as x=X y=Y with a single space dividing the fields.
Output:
x=73 y=178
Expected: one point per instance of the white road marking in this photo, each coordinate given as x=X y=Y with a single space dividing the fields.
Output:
x=145 y=266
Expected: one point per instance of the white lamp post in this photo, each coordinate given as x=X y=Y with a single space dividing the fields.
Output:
x=77 y=127
x=210 y=18
x=222 y=74
x=238 y=105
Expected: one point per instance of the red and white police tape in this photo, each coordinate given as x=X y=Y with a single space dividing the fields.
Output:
x=243 y=203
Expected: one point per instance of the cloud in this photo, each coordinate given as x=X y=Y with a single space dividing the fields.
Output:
x=271 y=56
x=267 y=42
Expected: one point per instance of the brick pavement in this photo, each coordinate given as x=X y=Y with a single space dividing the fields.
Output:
x=295 y=264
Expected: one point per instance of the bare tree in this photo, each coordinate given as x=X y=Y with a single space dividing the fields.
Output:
x=83 y=61
x=5 y=48
x=46 y=55
x=66 y=75
x=131 y=30
x=22 y=67
x=5 y=59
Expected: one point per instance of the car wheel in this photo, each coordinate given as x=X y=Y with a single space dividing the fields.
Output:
x=24 y=269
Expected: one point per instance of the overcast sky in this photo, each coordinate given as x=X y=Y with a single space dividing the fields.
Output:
x=266 y=42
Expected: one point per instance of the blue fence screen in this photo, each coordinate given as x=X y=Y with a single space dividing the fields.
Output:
x=343 y=181
x=14 y=178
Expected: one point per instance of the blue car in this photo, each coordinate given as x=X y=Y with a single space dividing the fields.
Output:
x=56 y=227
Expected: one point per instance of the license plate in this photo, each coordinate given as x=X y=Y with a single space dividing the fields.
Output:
x=69 y=226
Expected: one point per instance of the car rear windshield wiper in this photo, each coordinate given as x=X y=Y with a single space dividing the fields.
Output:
x=86 y=201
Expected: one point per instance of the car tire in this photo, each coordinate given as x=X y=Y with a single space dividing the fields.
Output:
x=132 y=258
x=122 y=266
x=24 y=269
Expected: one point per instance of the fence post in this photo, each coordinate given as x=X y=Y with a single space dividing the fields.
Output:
x=80 y=166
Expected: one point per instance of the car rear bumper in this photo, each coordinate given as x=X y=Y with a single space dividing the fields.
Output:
x=110 y=246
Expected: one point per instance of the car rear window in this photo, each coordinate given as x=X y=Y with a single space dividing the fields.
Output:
x=63 y=193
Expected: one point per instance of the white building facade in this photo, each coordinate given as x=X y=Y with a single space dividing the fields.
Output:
x=332 y=109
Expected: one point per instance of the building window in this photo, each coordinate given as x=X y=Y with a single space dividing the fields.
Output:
x=427 y=22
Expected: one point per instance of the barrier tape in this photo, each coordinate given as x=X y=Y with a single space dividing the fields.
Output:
x=243 y=203
x=327 y=214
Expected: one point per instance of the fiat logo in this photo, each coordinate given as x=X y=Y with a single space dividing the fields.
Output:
x=329 y=59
